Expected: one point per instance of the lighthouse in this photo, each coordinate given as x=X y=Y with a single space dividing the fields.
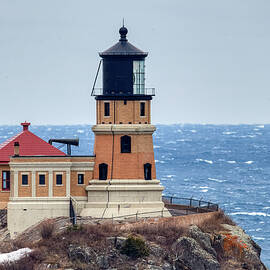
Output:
x=124 y=178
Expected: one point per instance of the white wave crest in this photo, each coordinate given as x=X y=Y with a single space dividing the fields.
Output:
x=249 y=162
x=231 y=161
x=205 y=160
x=170 y=175
x=250 y=214
x=258 y=238
x=80 y=131
x=216 y=180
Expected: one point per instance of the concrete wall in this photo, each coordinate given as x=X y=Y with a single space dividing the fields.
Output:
x=23 y=213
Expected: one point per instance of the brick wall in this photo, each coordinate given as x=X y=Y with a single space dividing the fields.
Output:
x=75 y=188
x=125 y=165
x=4 y=195
x=124 y=113
x=59 y=190
x=42 y=190
x=25 y=190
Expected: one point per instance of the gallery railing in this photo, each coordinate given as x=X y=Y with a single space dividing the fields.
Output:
x=190 y=202
x=145 y=92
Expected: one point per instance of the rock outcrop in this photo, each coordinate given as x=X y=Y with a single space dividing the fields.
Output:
x=190 y=254
x=163 y=246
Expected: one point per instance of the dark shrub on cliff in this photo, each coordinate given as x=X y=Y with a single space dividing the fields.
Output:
x=135 y=247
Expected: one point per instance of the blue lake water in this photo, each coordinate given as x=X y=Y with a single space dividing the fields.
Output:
x=227 y=164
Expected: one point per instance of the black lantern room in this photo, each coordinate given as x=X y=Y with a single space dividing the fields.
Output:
x=123 y=67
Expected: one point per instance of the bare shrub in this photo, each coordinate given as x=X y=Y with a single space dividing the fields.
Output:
x=96 y=232
x=47 y=229
x=169 y=230
x=214 y=223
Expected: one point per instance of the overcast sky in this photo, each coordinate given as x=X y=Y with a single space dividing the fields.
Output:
x=208 y=60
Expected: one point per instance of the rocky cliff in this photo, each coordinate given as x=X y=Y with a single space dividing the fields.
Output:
x=159 y=244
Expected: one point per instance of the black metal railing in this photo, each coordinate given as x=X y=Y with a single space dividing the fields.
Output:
x=190 y=202
x=145 y=92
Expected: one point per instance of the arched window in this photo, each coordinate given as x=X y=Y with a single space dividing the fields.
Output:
x=103 y=171
x=147 y=171
x=125 y=144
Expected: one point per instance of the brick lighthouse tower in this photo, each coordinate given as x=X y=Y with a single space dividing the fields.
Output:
x=124 y=179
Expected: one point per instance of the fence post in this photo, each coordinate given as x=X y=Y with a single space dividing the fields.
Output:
x=136 y=215
x=208 y=205
x=190 y=202
x=171 y=200
x=162 y=212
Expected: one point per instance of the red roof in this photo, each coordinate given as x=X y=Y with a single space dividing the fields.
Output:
x=30 y=145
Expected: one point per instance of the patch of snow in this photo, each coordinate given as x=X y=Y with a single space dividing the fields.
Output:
x=14 y=255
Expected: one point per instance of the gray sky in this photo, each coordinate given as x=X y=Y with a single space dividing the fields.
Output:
x=208 y=60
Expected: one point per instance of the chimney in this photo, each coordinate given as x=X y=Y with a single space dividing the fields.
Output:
x=25 y=125
x=16 y=149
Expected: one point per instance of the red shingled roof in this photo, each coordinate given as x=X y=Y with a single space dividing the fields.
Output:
x=30 y=145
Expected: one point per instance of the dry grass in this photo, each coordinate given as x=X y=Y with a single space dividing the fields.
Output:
x=165 y=232
x=47 y=229
x=85 y=235
x=213 y=224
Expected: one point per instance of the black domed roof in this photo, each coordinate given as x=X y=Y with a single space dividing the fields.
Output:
x=123 y=47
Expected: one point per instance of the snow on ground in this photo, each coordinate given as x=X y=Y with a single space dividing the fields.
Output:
x=14 y=255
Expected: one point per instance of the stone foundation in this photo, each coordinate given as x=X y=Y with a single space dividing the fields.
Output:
x=118 y=197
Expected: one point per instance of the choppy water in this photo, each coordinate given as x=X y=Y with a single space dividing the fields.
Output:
x=227 y=164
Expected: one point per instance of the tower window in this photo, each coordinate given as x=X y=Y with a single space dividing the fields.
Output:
x=147 y=171
x=106 y=109
x=138 y=77
x=142 y=108
x=59 y=179
x=125 y=144
x=103 y=171
x=41 y=179
x=5 y=180
x=80 y=178
x=24 y=179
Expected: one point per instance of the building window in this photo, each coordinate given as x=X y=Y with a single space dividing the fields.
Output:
x=59 y=179
x=125 y=144
x=80 y=178
x=142 y=108
x=24 y=179
x=103 y=171
x=106 y=109
x=41 y=179
x=5 y=180
x=147 y=171
x=138 y=77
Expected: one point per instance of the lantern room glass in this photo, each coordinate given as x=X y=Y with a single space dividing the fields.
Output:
x=138 y=77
